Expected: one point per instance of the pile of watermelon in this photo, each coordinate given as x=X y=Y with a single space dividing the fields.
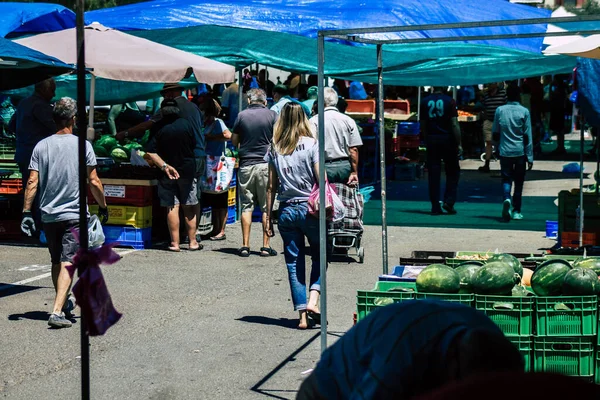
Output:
x=500 y=275
x=559 y=278
x=107 y=146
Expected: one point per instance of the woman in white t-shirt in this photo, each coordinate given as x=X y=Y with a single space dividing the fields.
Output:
x=294 y=168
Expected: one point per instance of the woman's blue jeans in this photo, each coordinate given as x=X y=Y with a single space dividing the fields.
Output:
x=294 y=225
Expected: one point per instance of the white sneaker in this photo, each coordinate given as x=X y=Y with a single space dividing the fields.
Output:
x=517 y=215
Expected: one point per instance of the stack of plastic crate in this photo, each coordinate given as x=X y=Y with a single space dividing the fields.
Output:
x=130 y=215
x=566 y=335
x=232 y=200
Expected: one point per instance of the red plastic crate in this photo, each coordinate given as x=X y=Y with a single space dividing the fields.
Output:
x=571 y=239
x=10 y=229
x=138 y=196
x=360 y=107
x=11 y=186
x=403 y=105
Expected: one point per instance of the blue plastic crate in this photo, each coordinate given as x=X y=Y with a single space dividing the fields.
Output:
x=233 y=179
x=231 y=214
x=127 y=236
x=408 y=128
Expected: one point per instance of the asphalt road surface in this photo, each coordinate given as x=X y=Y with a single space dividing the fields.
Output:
x=209 y=324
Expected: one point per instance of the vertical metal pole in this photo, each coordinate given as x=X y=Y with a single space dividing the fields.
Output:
x=91 y=133
x=581 y=211
x=240 y=90
x=322 y=216
x=83 y=227
x=380 y=111
x=419 y=104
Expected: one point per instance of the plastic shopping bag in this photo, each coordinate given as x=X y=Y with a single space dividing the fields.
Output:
x=218 y=175
x=95 y=233
x=334 y=210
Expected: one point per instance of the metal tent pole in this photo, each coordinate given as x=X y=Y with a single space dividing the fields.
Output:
x=322 y=215
x=83 y=227
x=419 y=104
x=91 y=132
x=380 y=111
x=581 y=211
x=240 y=89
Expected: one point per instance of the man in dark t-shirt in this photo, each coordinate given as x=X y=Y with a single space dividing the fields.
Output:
x=172 y=150
x=439 y=120
x=253 y=133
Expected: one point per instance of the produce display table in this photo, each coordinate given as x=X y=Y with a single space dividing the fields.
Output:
x=131 y=182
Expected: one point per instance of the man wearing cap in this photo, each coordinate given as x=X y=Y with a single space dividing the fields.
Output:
x=281 y=97
x=188 y=111
x=312 y=94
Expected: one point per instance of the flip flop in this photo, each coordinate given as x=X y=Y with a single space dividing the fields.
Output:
x=244 y=252
x=217 y=238
x=269 y=252
x=200 y=247
x=174 y=249
x=315 y=317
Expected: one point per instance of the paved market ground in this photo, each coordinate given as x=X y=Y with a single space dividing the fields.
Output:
x=211 y=325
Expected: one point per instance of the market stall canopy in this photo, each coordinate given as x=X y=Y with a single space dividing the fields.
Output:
x=588 y=47
x=21 y=66
x=116 y=55
x=29 y=18
x=306 y=18
x=283 y=36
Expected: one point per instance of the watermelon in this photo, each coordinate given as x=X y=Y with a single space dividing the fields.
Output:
x=133 y=146
x=100 y=151
x=119 y=154
x=496 y=278
x=508 y=259
x=466 y=273
x=592 y=263
x=547 y=280
x=438 y=278
x=107 y=141
x=580 y=282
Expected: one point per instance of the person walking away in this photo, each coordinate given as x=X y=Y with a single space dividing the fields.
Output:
x=313 y=95
x=494 y=98
x=439 y=119
x=294 y=166
x=32 y=122
x=124 y=116
x=191 y=113
x=230 y=103
x=216 y=134
x=408 y=349
x=281 y=97
x=512 y=125
x=172 y=149
x=342 y=141
x=252 y=134
x=53 y=172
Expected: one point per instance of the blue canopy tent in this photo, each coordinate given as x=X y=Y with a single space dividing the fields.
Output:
x=29 y=18
x=242 y=32
x=21 y=66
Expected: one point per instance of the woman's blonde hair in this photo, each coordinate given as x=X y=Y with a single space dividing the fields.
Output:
x=289 y=128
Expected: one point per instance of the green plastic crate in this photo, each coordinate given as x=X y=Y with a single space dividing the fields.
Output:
x=566 y=315
x=380 y=296
x=525 y=346
x=456 y=261
x=466 y=299
x=572 y=356
x=597 y=370
x=513 y=315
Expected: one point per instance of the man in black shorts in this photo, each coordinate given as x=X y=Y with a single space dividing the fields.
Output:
x=53 y=172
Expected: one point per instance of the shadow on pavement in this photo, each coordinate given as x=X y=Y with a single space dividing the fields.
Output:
x=7 y=289
x=270 y=392
x=282 y=322
x=31 y=315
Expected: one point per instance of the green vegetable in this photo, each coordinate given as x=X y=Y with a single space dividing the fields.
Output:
x=495 y=278
x=438 y=278
x=119 y=154
x=508 y=259
x=100 y=151
x=466 y=273
x=107 y=141
x=592 y=263
x=580 y=282
x=548 y=278
x=129 y=147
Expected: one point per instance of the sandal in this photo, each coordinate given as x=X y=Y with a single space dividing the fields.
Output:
x=314 y=317
x=174 y=249
x=267 y=252
x=200 y=247
x=244 y=252
x=216 y=238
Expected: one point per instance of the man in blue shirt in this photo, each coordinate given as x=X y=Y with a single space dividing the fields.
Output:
x=512 y=125
x=439 y=119
x=407 y=349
